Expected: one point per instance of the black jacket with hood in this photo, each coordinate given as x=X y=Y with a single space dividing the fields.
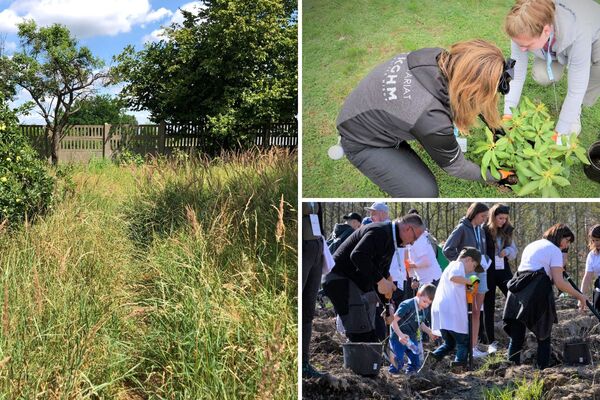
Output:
x=406 y=98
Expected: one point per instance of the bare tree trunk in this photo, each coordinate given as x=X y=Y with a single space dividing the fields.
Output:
x=54 y=145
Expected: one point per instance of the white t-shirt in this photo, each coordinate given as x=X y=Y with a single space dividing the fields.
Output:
x=397 y=270
x=592 y=263
x=422 y=255
x=541 y=254
x=449 y=307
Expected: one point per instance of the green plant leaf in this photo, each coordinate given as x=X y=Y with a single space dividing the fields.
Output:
x=485 y=162
x=528 y=188
x=559 y=180
x=522 y=169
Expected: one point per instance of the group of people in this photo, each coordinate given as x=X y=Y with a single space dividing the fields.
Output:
x=431 y=95
x=373 y=273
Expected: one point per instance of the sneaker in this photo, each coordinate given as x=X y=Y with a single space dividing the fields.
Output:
x=493 y=347
x=478 y=354
x=308 y=371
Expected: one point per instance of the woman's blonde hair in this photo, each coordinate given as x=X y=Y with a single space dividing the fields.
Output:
x=528 y=17
x=473 y=69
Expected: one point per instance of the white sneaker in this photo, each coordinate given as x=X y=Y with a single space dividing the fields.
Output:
x=478 y=354
x=493 y=347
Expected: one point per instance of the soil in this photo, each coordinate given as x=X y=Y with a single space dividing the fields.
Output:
x=561 y=381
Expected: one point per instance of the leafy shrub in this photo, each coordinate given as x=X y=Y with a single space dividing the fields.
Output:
x=26 y=188
x=530 y=151
x=127 y=157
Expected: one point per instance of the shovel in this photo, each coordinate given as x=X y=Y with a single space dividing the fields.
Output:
x=587 y=303
x=471 y=291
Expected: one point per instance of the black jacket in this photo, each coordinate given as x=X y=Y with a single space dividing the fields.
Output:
x=531 y=300
x=366 y=255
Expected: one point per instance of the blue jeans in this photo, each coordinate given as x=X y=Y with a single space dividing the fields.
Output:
x=452 y=340
x=399 y=349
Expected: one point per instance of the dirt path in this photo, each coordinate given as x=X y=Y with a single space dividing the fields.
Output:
x=560 y=381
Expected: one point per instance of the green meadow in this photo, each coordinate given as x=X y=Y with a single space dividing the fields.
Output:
x=174 y=279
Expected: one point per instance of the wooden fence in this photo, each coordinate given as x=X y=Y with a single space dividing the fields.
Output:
x=81 y=143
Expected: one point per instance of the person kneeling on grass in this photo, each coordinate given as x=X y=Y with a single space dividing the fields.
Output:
x=449 y=308
x=423 y=96
x=409 y=317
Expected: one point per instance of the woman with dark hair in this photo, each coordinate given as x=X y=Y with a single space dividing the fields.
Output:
x=592 y=265
x=530 y=301
x=427 y=96
x=469 y=233
x=500 y=248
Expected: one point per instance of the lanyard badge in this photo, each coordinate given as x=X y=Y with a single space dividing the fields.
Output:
x=549 y=58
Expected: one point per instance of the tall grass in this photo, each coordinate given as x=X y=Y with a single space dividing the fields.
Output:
x=219 y=281
x=175 y=279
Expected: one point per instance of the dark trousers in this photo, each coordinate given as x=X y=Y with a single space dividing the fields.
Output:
x=495 y=279
x=517 y=331
x=394 y=169
x=312 y=266
x=451 y=340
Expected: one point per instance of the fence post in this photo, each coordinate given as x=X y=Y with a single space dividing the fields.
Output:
x=161 y=137
x=106 y=149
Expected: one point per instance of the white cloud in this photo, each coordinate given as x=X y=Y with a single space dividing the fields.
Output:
x=193 y=6
x=158 y=15
x=154 y=36
x=177 y=18
x=8 y=21
x=83 y=18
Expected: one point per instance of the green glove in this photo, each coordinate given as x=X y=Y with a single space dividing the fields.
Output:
x=473 y=279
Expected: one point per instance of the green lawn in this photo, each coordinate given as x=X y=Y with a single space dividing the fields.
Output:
x=343 y=40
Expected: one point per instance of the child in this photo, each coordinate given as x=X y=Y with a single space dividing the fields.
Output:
x=449 y=308
x=404 y=330
x=592 y=265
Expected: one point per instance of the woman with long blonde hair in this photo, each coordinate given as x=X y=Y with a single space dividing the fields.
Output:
x=428 y=95
x=558 y=33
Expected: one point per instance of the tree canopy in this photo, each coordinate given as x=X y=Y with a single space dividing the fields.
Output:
x=232 y=63
x=55 y=71
x=101 y=109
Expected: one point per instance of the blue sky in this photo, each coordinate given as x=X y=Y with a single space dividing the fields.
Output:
x=106 y=27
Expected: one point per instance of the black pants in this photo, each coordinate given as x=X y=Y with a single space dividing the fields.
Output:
x=517 y=337
x=312 y=266
x=398 y=171
x=497 y=278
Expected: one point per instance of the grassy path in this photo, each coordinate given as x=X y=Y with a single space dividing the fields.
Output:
x=204 y=308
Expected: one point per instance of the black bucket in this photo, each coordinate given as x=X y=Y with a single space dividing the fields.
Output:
x=577 y=353
x=363 y=358
x=592 y=171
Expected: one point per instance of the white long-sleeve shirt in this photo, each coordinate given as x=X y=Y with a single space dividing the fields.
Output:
x=576 y=27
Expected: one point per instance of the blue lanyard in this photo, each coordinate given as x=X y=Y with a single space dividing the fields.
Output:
x=549 y=57
x=477 y=237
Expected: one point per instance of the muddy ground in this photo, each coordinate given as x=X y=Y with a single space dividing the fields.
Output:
x=559 y=382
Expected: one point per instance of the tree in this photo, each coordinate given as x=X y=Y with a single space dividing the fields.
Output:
x=100 y=109
x=56 y=73
x=232 y=63
x=26 y=188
